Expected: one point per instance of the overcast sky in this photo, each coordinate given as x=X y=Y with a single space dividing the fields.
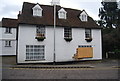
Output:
x=10 y=8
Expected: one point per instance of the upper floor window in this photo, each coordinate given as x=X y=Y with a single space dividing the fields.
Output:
x=7 y=30
x=7 y=43
x=87 y=33
x=40 y=33
x=83 y=16
x=62 y=14
x=37 y=10
x=68 y=34
x=88 y=36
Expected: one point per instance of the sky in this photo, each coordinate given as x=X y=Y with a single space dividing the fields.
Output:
x=10 y=8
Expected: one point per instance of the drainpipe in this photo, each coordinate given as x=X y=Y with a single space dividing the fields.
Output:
x=54 y=58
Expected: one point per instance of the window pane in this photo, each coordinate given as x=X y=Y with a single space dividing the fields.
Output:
x=67 y=32
x=8 y=30
x=88 y=33
x=40 y=30
x=7 y=43
x=35 y=52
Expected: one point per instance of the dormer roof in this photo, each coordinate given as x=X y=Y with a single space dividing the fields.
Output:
x=62 y=10
x=83 y=12
x=37 y=6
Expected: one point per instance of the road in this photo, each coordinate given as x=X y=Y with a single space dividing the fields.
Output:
x=100 y=73
x=102 y=70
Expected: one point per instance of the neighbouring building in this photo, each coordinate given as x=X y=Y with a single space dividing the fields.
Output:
x=119 y=5
x=8 y=29
x=78 y=37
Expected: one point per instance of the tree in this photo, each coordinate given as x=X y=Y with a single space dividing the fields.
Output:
x=110 y=21
x=109 y=14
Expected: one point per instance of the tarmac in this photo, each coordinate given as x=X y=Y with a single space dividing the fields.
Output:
x=11 y=62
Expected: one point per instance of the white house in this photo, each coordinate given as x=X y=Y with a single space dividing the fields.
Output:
x=8 y=30
x=78 y=37
x=119 y=5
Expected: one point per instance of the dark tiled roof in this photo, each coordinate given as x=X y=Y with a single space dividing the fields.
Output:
x=8 y=22
x=47 y=19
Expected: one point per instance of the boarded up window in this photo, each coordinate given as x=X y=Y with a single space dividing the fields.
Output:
x=84 y=52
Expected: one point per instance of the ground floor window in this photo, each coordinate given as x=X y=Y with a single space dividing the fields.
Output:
x=35 y=52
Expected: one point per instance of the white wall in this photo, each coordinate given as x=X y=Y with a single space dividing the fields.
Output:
x=8 y=50
x=0 y=40
x=11 y=35
x=64 y=50
x=3 y=37
x=27 y=36
x=119 y=4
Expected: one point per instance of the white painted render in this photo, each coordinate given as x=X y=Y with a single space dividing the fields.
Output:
x=64 y=50
x=7 y=36
x=119 y=5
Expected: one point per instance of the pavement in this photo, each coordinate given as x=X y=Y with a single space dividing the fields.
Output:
x=106 y=63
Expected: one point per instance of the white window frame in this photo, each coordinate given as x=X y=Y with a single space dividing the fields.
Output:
x=37 y=11
x=40 y=31
x=83 y=17
x=62 y=14
x=67 y=32
x=8 y=30
x=35 y=52
x=88 y=33
x=7 y=43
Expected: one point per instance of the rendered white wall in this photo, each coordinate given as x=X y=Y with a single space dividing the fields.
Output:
x=9 y=35
x=3 y=37
x=27 y=36
x=8 y=50
x=0 y=32
x=119 y=4
x=64 y=50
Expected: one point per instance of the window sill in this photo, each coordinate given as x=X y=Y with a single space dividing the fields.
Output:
x=68 y=39
x=40 y=38
x=7 y=33
x=8 y=46
x=88 y=39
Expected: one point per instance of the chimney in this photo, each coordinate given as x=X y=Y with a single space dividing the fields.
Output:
x=19 y=14
x=55 y=2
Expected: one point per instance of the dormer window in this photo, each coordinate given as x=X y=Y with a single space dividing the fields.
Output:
x=83 y=16
x=62 y=14
x=37 y=10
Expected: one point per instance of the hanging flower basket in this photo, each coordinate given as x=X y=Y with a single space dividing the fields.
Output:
x=68 y=39
x=88 y=39
x=40 y=38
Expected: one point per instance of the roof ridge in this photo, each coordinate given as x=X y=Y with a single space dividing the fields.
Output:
x=9 y=18
x=51 y=6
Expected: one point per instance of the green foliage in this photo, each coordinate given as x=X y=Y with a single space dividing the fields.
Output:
x=108 y=14
x=110 y=21
x=111 y=40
